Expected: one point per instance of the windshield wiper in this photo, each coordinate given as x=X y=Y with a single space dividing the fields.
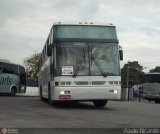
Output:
x=79 y=64
x=99 y=67
x=78 y=67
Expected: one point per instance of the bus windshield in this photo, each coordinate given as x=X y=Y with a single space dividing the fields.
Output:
x=151 y=78
x=81 y=58
x=84 y=32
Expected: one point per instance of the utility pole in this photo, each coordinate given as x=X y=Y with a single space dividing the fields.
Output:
x=127 y=90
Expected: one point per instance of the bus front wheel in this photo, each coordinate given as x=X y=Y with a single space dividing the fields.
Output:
x=49 y=96
x=100 y=103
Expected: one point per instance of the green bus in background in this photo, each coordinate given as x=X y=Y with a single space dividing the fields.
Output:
x=12 y=78
x=151 y=87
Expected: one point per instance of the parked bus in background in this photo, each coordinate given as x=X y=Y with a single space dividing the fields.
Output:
x=81 y=62
x=12 y=78
x=151 y=87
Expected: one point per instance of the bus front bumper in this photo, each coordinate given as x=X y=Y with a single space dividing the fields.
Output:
x=150 y=97
x=86 y=93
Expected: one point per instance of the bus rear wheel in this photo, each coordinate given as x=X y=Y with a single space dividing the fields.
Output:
x=49 y=97
x=13 y=91
x=157 y=101
x=100 y=103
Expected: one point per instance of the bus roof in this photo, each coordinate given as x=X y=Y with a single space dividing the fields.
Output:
x=7 y=61
x=4 y=60
x=83 y=23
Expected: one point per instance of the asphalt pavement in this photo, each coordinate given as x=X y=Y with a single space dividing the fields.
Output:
x=31 y=112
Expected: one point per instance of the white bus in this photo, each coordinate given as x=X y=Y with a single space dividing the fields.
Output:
x=151 y=87
x=81 y=62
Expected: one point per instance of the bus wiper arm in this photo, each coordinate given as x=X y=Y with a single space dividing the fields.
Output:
x=78 y=67
x=100 y=68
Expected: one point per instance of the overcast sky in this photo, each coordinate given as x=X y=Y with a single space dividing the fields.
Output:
x=25 y=25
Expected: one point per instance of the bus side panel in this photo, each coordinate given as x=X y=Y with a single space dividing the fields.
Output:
x=44 y=78
x=151 y=90
x=7 y=81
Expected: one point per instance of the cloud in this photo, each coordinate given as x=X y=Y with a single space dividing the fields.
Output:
x=25 y=25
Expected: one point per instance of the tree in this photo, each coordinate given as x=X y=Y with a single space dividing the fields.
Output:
x=32 y=66
x=135 y=71
x=156 y=70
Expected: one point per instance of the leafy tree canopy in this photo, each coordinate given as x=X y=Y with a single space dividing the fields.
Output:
x=32 y=66
x=135 y=73
x=155 y=70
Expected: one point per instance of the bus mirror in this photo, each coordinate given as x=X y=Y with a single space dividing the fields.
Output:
x=49 y=50
x=121 y=54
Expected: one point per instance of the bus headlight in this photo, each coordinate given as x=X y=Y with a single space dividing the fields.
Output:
x=114 y=83
x=65 y=92
x=62 y=92
x=113 y=91
x=65 y=95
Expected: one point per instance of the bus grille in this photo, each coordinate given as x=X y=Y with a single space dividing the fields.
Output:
x=81 y=82
x=98 y=82
x=90 y=82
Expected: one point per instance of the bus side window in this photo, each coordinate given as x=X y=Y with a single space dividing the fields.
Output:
x=5 y=70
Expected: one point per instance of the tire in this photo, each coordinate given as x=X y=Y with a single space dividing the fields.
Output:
x=56 y=103
x=157 y=101
x=100 y=103
x=13 y=91
x=49 y=97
